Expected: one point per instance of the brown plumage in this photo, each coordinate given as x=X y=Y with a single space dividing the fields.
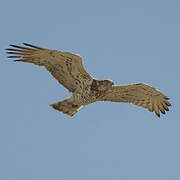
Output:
x=68 y=70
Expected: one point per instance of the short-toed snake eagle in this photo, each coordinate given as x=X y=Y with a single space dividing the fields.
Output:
x=68 y=70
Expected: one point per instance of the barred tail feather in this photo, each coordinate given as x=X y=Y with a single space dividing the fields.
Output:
x=66 y=107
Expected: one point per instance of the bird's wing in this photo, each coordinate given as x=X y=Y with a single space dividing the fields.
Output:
x=140 y=95
x=66 y=67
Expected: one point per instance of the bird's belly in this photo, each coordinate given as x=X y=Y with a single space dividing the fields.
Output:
x=84 y=99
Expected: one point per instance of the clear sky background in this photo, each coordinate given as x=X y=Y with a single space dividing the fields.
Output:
x=128 y=41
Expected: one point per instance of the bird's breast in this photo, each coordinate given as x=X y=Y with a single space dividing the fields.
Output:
x=86 y=97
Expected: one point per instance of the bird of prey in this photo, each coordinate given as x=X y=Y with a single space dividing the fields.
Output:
x=68 y=70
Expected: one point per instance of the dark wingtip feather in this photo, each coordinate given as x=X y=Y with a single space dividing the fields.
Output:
x=17 y=60
x=167 y=98
x=167 y=103
x=19 y=53
x=18 y=50
x=12 y=45
x=14 y=56
x=13 y=52
x=157 y=113
x=162 y=111
x=30 y=45
x=19 y=47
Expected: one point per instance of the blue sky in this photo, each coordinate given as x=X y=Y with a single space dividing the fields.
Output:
x=127 y=41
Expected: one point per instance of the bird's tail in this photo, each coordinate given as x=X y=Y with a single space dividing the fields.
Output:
x=67 y=107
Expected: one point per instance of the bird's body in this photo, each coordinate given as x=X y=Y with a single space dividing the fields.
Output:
x=68 y=70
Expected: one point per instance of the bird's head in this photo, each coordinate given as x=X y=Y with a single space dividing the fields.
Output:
x=104 y=84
